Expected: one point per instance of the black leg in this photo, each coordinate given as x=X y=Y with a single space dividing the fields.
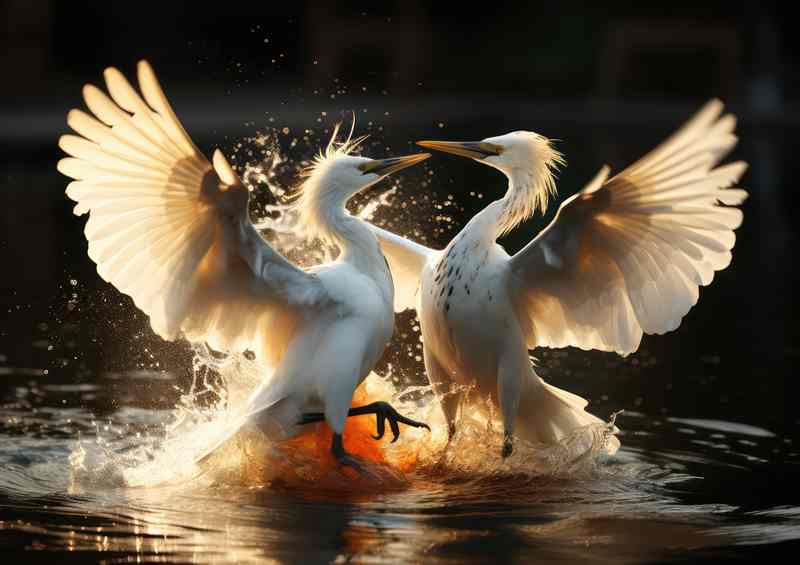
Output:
x=508 y=445
x=344 y=458
x=451 y=430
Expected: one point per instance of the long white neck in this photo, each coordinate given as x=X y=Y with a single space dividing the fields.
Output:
x=356 y=242
x=323 y=215
x=327 y=219
x=527 y=191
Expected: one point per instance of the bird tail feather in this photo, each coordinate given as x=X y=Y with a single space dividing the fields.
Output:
x=548 y=414
x=269 y=411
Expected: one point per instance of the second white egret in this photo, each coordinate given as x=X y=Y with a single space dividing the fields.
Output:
x=623 y=257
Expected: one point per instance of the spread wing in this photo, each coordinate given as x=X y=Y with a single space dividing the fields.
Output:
x=171 y=231
x=627 y=255
x=406 y=260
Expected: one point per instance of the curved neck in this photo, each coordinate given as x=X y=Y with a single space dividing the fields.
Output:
x=517 y=205
x=356 y=242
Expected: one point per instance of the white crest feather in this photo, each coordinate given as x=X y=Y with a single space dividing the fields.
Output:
x=532 y=188
x=315 y=198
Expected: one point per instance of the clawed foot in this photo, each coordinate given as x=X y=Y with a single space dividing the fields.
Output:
x=383 y=412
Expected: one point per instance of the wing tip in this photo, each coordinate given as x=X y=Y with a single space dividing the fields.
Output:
x=733 y=196
x=598 y=180
x=63 y=143
x=714 y=104
x=223 y=168
x=145 y=72
x=92 y=95
x=63 y=166
x=706 y=116
x=73 y=115
x=739 y=168
x=111 y=72
x=88 y=89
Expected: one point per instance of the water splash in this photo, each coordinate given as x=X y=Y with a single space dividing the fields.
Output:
x=211 y=409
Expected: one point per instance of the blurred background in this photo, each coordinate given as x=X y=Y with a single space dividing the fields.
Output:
x=608 y=81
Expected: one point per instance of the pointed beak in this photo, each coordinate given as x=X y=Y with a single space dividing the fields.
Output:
x=472 y=149
x=383 y=167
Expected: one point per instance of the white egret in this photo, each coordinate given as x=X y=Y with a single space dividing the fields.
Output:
x=172 y=231
x=623 y=257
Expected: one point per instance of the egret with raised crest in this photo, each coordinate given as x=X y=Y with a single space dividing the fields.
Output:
x=624 y=256
x=172 y=230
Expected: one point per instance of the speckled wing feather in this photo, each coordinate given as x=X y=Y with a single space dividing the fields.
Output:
x=155 y=228
x=627 y=255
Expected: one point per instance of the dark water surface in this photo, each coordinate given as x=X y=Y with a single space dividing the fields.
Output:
x=709 y=459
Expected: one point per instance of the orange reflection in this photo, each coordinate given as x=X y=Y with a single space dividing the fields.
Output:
x=358 y=434
x=308 y=456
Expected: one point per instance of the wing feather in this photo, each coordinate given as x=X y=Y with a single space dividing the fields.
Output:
x=406 y=260
x=627 y=255
x=157 y=231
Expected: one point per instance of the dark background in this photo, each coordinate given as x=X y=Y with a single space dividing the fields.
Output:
x=609 y=81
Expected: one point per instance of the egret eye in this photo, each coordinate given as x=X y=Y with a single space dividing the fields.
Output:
x=492 y=148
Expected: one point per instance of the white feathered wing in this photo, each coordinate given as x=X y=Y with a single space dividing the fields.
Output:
x=406 y=261
x=627 y=255
x=159 y=225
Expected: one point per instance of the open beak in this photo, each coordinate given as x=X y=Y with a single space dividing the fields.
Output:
x=471 y=149
x=383 y=167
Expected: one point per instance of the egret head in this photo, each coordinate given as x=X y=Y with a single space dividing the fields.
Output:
x=527 y=158
x=335 y=175
x=518 y=150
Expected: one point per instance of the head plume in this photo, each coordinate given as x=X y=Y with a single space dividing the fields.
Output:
x=316 y=199
x=533 y=184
